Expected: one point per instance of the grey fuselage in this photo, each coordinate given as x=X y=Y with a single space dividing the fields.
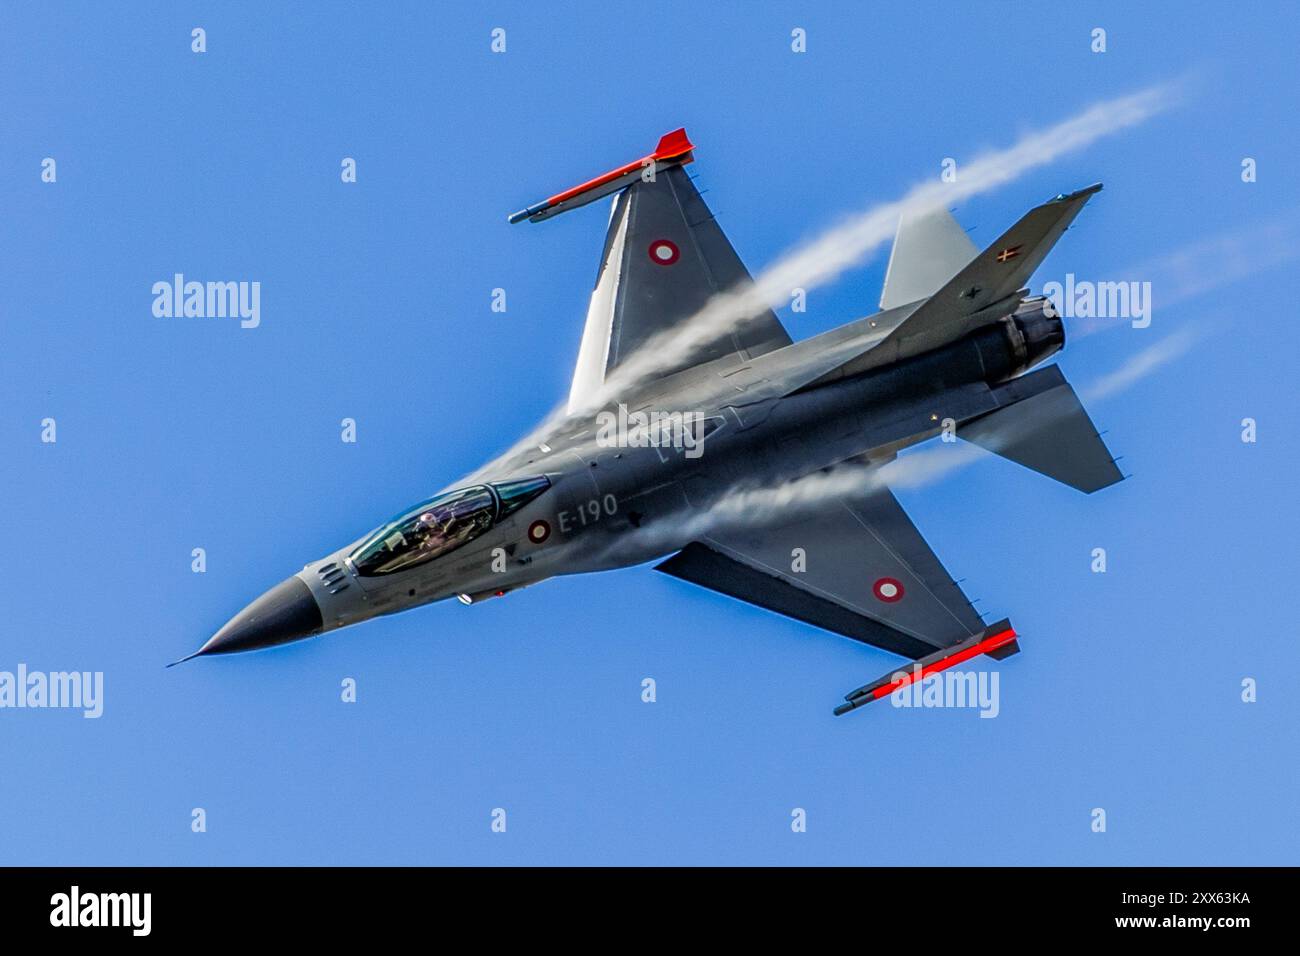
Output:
x=773 y=418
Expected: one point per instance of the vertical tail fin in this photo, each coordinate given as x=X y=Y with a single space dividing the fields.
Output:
x=929 y=249
x=986 y=287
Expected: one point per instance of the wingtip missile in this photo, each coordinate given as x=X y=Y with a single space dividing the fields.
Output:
x=674 y=149
x=998 y=641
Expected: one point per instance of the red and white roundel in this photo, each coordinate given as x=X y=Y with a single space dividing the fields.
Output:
x=888 y=590
x=538 y=532
x=663 y=252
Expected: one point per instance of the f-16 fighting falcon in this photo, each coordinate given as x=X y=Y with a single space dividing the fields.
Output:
x=657 y=465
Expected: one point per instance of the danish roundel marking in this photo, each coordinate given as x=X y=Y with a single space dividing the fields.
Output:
x=663 y=252
x=538 y=532
x=888 y=590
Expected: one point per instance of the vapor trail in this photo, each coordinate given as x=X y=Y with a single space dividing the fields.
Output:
x=1228 y=257
x=826 y=257
x=1205 y=265
x=1142 y=364
x=829 y=255
x=749 y=506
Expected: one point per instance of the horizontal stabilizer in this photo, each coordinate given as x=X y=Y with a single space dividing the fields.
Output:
x=1049 y=432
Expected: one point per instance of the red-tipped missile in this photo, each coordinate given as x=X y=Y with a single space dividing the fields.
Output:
x=997 y=641
x=674 y=149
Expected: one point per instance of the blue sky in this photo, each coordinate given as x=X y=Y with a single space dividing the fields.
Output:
x=183 y=433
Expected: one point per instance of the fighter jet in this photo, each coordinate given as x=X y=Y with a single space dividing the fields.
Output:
x=669 y=464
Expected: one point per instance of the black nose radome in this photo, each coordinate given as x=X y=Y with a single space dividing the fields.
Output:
x=285 y=613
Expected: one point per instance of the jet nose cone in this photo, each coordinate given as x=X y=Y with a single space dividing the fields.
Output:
x=285 y=613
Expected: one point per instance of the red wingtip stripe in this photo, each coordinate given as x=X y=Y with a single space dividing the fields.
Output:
x=991 y=643
x=1001 y=639
x=671 y=146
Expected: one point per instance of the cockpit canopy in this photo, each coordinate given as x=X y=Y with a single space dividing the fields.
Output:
x=442 y=524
